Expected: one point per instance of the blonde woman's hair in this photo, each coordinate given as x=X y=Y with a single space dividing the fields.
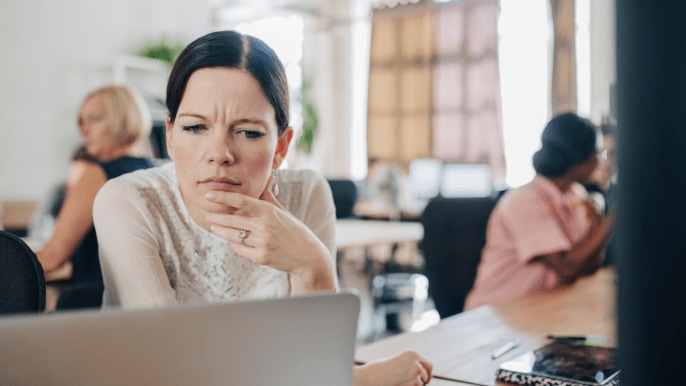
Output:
x=127 y=113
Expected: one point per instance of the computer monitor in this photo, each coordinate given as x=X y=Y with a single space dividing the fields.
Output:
x=466 y=180
x=425 y=177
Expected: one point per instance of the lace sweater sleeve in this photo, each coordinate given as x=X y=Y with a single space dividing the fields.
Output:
x=320 y=213
x=133 y=273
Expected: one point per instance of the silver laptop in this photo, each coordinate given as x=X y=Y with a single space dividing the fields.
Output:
x=307 y=340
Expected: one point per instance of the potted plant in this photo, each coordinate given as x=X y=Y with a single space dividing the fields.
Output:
x=164 y=49
x=310 y=123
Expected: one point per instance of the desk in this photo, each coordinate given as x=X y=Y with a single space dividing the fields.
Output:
x=460 y=346
x=368 y=234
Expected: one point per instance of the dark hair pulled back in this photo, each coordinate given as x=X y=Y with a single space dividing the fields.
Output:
x=231 y=49
x=567 y=140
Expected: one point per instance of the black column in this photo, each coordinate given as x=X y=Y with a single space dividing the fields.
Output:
x=651 y=204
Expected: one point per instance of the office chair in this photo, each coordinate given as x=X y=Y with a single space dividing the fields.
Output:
x=344 y=196
x=22 y=284
x=454 y=235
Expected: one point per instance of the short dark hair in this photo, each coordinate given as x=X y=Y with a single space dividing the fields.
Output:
x=567 y=140
x=232 y=49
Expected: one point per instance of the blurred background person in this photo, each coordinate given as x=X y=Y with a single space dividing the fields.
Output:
x=43 y=220
x=547 y=233
x=115 y=125
x=385 y=192
x=604 y=178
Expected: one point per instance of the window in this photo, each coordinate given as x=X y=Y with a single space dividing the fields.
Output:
x=434 y=84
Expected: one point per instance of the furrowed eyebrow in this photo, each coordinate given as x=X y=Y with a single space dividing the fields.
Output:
x=254 y=121
x=192 y=115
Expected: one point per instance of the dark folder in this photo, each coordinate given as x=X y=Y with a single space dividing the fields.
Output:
x=563 y=363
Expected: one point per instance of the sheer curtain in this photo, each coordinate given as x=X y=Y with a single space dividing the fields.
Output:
x=467 y=120
x=434 y=88
x=563 y=87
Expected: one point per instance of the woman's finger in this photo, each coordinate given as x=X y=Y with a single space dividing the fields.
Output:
x=237 y=202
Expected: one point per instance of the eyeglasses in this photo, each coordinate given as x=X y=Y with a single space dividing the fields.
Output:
x=605 y=154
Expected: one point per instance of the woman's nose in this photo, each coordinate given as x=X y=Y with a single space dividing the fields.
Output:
x=221 y=153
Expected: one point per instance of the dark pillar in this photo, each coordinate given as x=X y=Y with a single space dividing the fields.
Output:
x=651 y=230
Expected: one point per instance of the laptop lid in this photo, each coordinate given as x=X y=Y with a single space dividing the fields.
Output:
x=308 y=340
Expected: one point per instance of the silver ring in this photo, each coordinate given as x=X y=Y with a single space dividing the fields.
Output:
x=242 y=234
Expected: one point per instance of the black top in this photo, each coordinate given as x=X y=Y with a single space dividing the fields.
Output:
x=85 y=260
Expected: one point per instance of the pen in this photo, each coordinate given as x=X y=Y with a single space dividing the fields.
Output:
x=511 y=345
x=579 y=338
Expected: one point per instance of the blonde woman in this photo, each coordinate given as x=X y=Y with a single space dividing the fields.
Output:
x=114 y=125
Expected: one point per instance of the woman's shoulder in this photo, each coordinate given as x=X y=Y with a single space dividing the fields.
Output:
x=80 y=170
x=302 y=189
x=522 y=198
x=305 y=179
x=299 y=175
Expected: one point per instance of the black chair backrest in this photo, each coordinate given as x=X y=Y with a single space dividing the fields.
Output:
x=22 y=284
x=454 y=235
x=344 y=196
x=158 y=139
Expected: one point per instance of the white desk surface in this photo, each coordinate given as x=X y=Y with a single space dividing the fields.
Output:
x=363 y=233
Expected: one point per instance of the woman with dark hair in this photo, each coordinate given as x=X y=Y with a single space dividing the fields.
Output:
x=222 y=222
x=547 y=233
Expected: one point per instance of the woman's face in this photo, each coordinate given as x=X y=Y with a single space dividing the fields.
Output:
x=607 y=163
x=583 y=171
x=224 y=138
x=94 y=127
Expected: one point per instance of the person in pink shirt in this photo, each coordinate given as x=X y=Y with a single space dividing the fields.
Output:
x=547 y=233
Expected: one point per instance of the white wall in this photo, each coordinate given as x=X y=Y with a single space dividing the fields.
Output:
x=603 y=57
x=329 y=58
x=47 y=51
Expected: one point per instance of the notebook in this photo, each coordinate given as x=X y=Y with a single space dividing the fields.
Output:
x=563 y=363
x=308 y=340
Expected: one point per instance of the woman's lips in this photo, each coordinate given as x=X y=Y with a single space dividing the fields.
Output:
x=227 y=186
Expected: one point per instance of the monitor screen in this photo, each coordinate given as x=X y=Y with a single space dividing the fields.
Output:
x=425 y=177
x=466 y=180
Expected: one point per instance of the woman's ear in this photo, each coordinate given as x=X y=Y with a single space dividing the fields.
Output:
x=282 y=147
x=168 y=136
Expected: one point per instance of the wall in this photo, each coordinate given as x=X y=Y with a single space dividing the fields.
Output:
x=340 y=96
x=51 y=54
x=603 y=54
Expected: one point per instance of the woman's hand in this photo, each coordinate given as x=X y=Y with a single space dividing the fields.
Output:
x=599 y=224
x=273 y=237
x=406 y=369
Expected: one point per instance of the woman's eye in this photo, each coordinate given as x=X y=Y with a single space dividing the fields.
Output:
x=94 y=119
x=252 y=134
x=193 y=128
